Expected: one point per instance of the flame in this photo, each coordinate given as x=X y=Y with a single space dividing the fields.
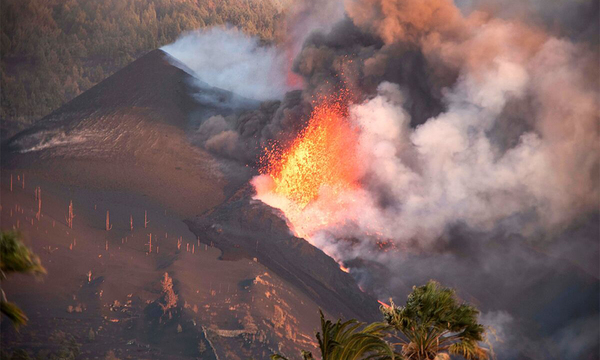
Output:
x=315 y=180
x=322 y=155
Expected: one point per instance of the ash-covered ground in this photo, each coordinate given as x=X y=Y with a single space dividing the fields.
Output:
x=124 y=148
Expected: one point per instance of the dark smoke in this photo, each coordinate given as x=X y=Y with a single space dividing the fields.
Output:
x=479 y=125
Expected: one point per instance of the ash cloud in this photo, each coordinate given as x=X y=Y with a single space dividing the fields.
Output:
x=479 y=143
x=480 y=136
x=242 y=137
x=577 y=20
x=434 y=134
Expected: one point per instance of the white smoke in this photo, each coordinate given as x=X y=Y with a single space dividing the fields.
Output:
x=227 y=58
x=451 y=170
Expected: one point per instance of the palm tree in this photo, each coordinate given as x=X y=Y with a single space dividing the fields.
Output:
x=346 y=340
x=15 y=257
x=434 y=324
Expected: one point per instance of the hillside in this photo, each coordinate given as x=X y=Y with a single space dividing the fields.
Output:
x=53 y=51
x=126 y=127
x=121 y=154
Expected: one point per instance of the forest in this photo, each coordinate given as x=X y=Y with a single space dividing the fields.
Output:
x=53 y=50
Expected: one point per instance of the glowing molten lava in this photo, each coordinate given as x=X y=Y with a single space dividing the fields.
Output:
x=384 y=304
x=322 y=156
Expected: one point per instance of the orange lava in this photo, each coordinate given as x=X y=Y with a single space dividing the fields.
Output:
x=384 y=304
x=322 y=155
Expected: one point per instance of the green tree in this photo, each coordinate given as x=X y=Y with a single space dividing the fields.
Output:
x=350 y=340
x=15 y=257
x=435 y=324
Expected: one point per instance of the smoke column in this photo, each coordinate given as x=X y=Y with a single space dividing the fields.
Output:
x=460 y=166
x=477 y=156
x=478 y=138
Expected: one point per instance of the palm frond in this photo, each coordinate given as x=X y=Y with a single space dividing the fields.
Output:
x=351 y=340
x=14 y=313
x=434 y=320
x=16 y=257
x=470 y=350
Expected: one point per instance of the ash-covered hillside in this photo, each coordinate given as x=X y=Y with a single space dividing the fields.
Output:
x=122 y=155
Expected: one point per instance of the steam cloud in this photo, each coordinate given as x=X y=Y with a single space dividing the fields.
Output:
x=228 y=59
x=479 y=139
x=516 y=133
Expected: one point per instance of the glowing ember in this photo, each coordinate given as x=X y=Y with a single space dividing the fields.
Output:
x=323 y=155
x=315 y=180
x=384 y=304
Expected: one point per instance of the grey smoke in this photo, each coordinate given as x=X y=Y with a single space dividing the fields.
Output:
x=480 y=142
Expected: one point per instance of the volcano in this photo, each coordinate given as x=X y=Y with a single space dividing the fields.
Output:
x=147 y=201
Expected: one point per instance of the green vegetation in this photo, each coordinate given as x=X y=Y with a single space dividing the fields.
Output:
x=15 y=257
x=434 y=322
x=350 y=340
x=52 y=50
x=433 y=325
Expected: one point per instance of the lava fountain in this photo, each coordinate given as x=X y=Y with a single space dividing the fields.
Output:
x=309 y=180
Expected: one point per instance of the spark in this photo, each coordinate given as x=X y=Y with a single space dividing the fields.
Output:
x=322 y=155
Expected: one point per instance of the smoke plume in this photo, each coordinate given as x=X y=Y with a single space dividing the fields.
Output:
x=478 y=155
x=516 y=132
x=228 y=59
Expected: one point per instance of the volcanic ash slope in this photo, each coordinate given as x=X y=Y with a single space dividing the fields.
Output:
x=121 y=153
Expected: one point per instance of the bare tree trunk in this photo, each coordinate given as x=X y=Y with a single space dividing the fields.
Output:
x=71 y=215
x=108 y=225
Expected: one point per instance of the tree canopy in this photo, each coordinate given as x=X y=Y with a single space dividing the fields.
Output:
x=433 y=325
x=350 y=340
x=435 y=322
x=52 y=50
